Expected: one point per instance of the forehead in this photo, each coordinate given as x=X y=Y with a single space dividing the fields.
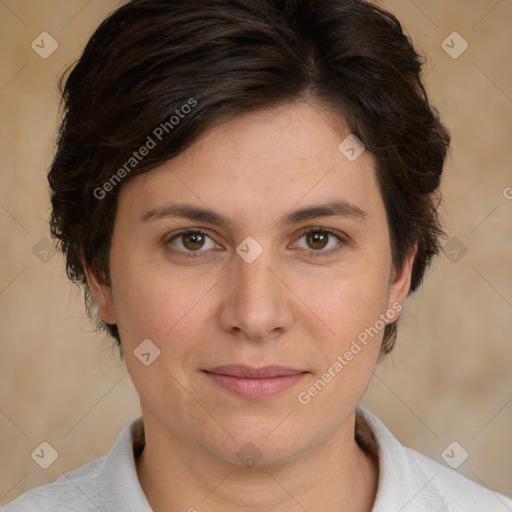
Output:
x=262 y=162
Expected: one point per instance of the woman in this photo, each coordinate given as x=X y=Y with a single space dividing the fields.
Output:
x=247 y=191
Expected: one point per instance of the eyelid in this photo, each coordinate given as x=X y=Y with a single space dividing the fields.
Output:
x=173 y=236
x=342 y=238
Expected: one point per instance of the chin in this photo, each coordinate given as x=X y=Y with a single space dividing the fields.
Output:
x=261 y=443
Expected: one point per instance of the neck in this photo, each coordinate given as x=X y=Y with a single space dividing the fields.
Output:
x=336 y=476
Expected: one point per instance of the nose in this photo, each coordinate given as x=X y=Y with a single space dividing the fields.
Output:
x=257 y=304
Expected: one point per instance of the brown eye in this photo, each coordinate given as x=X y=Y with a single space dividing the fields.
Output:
x=192 y=241
x=317 y=240
x=320 y=241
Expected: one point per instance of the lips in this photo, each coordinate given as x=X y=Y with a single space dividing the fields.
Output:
x=255 y=383
x=255 y=373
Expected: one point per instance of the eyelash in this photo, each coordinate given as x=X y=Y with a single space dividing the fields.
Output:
x=307 y=231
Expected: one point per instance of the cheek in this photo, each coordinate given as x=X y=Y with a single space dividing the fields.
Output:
x=354 y=316
x=350 y=301
x=170 y=310
x=350 y=305
x=153 y=302
x=351 y=310
x=150 y=305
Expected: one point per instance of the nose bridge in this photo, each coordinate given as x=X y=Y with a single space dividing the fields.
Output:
x=256 y=303
x=256 y=286
x=255 y=280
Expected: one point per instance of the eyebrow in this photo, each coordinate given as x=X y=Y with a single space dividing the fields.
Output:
x=202 y=214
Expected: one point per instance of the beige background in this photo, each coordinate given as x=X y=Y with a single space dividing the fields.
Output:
x=449 y=379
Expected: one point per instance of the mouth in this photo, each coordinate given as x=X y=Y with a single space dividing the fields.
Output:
x=255 y=383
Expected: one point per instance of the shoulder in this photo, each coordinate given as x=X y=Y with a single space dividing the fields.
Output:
x=76 y=490
x=454 y=490
x=410 y=481
x=107 y=483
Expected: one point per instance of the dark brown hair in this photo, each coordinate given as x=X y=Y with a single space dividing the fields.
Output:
x=151 y=57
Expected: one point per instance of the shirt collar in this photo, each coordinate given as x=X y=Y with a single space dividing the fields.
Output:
x=120 y=486
x=121 y=489
x=403 y=483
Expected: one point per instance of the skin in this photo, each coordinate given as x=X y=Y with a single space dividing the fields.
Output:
x=294 y=306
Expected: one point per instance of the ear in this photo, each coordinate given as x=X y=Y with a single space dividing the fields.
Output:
x=401 y=280
x=101 y=292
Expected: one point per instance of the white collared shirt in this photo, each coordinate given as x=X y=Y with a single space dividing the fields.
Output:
x=408 y=482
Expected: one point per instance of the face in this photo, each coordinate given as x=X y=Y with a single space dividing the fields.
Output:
x=255 y=262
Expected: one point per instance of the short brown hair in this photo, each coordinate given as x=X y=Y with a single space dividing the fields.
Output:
x=151 y=57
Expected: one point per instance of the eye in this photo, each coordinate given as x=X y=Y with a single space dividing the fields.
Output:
x=192 y=241
x=318 y=240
